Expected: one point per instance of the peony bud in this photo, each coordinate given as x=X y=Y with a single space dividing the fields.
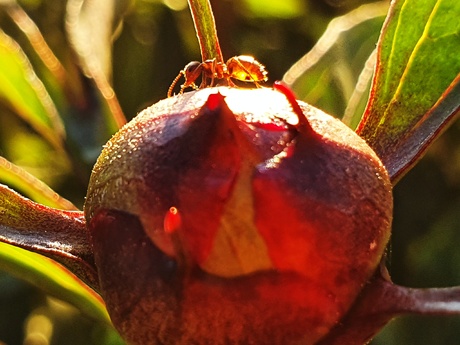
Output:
x=230 y=216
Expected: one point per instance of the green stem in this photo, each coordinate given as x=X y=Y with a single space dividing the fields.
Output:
x=205 y=28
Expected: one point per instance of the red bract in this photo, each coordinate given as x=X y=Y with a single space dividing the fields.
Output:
x=222 y=216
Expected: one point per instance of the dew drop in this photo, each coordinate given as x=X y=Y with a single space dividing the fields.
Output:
x=172 y=221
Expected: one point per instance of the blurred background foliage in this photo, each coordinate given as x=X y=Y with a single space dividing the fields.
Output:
x=153 y=42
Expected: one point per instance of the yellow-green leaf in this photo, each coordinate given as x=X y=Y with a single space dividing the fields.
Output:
x=416 y=90
x=24 y=93
x=38 y=191
x=52 y=278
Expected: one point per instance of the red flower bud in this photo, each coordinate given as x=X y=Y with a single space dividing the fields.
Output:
x=229 y=216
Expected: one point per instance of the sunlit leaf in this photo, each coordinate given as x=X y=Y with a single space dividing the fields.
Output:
x=358 y=99
x=326 y=76
x=36 y=39
x=23 y=92
x=23 y=146
x=38 y=191
x=52 y=278
x=416 y=90
x=67 y=89
x=91 y=25
x=51 y=71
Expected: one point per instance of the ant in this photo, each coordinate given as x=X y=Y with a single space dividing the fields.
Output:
x=244 y=68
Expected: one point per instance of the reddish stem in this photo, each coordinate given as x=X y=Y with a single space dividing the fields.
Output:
x=205 y=28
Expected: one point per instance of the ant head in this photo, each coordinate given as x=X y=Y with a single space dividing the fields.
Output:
x=191 y=72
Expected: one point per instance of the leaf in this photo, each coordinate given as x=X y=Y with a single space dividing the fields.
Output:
x=33 y=187
x=358 y=100
x=52 y=73
x=90 y=34
x=415 y=92
x=51 y=277
x=79 y=103
x=21 y=89
x=326 y=76
x=59 y=235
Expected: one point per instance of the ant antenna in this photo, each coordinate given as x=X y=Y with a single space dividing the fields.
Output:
x=173 y=84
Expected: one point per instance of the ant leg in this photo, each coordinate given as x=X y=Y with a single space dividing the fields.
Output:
x=230 y=82
x=203 y=80
x=184 y=86
x=212 y=80
x=213 y=72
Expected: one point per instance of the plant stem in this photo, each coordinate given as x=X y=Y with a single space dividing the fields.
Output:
x=205 y=28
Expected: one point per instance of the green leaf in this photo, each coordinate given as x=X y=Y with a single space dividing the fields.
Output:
x=416 y=91
x=50 y=70
x=326 y=76
x=51 y=277
x=23 y=92
x=73 y=96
